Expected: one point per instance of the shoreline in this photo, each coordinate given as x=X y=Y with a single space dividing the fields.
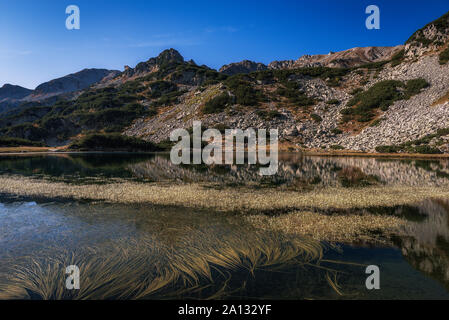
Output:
x=5 y=151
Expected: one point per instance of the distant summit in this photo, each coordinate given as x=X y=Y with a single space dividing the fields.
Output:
x=10 y=92
x=244 y=66
x=12 y=96
x=72 y=82
x=166 y=57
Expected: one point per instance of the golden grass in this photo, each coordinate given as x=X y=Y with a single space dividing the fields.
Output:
x=332 y=228
x=229 y=199
x=441 y=100
x=142 y=268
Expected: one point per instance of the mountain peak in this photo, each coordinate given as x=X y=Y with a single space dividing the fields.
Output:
x=245 y=66
x=10 y=91
x=168 y=56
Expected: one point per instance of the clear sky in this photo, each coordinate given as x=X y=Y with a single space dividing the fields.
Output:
x=35 y=45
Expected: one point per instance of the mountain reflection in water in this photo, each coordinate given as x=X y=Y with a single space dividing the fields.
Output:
x=216 y=254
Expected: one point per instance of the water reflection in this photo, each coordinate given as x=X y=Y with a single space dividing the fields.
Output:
x=294 y=170
x=178 y=252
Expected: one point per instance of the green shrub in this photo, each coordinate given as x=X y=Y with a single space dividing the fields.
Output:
x=347 y=111
x=18 y=142
x=167 y=99
x=217 y=104
x=414 y=86
x=291 y=91
x=243 y=90
x=118 y=118
x=336 y=147
x=333 y=101
x=397 y=58
x=388 y=149
x=268 y=115
x=356 y=91
x=336 y=131
x=161 y=87
x=114 y=141
x=444 y=56
x=27 y=131
x=426 y=149
x=374 y=65
x=316 y=117
x=380 y=96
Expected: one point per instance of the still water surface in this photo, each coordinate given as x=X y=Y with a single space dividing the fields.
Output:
x=196 y=253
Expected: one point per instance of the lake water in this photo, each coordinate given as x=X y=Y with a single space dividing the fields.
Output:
x=150 y=251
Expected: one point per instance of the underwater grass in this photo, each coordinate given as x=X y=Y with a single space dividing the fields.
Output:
x=143 y=268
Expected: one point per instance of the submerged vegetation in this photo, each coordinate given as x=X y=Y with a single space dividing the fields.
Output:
x=147 y=268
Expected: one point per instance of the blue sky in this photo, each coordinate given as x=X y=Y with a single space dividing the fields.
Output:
x=36 y=47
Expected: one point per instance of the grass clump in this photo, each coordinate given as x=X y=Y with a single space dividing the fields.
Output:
x=113 y=141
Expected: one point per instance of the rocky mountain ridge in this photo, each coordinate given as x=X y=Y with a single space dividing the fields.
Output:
x=396 y=98
x=245 y=66
x=344 y=59
x=11 y=96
